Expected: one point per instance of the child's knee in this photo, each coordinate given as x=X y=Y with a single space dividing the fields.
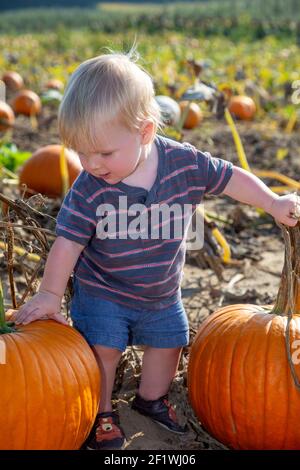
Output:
x=171 y=351
x=166 y=352
x=106 y=353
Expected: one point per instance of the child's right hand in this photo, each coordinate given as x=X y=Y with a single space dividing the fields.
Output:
x=42 y=306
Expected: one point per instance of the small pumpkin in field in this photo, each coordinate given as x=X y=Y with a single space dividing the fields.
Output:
x=242 y=107
x=42 y=171
x=193 y=114
x=244 y=367
x=13 y=80
x=54 y=84
x=50 y=386
x=7 y=116
x=27 y=102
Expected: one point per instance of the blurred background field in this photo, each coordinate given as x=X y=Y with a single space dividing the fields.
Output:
x=237 y=40
x=234 y=18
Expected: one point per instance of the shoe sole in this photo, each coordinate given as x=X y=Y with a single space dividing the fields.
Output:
x=158 y=422
x=109 y=448
x=180 y=433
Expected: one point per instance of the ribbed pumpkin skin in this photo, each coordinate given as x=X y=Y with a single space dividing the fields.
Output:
x=41 y=172
x=239 y=381
x=49 y=388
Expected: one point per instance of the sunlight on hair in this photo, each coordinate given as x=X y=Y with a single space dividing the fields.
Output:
x=107 y=89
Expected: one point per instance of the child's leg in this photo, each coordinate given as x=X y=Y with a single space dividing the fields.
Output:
x=106 y=433
x=158 y=370
x=108 y=359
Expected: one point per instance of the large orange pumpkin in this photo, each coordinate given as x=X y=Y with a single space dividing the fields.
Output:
x=13 y=80
x=27 y=102
x=7 y=117
x=50 y=387
x=242 y=383
x=41 y=172
x=243 y=107
x=193 y=115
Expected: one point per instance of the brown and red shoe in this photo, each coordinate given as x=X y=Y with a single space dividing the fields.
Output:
x=106 y=433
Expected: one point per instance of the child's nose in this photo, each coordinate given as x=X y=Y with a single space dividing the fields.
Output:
x=95 y=164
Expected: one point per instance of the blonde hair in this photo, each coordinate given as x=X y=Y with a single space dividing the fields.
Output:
x=104 y=89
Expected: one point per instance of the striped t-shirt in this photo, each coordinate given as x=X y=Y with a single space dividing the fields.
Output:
x=128 y=257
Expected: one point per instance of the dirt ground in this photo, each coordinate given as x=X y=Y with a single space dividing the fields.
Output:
x=257 y=251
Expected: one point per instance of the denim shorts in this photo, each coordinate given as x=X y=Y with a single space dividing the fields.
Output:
x=111 y=324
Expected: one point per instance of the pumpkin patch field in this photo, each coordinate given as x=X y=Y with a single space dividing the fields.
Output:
x=233 y=91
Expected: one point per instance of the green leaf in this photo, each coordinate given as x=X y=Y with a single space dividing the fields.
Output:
x=51 y=96
x=11 y=157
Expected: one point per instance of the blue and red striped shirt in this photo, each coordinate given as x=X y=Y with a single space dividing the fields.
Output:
x=142 y=271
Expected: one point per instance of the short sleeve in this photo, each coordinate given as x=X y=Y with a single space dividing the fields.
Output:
x=217 y=172
x=76 y=219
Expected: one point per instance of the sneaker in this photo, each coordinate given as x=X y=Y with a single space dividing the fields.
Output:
x=161 y=411
x=106 y=433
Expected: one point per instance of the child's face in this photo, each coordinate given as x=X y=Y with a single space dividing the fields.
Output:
x=118 y=153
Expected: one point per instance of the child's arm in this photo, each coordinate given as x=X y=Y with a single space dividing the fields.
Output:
x=46 y=303
x=246 y=187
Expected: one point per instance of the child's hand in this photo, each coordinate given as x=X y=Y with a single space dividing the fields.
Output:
x=286 y=209
x=42 y=306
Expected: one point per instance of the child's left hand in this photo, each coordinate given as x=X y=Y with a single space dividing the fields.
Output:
x=286 y=209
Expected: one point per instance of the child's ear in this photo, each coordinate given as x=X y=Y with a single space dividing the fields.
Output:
x=147 y=130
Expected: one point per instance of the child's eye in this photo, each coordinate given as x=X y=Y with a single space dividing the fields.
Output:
x=106 y=154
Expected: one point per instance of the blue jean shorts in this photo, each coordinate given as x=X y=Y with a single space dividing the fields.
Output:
x=111 y=324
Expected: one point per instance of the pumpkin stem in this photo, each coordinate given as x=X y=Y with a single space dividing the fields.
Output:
x=288 y=297
x=2 y=313
x=64 y=171
x=4 y=326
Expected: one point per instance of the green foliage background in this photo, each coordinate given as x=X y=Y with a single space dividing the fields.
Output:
x=250 y=46
x=13 y=4
x=237 y=19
